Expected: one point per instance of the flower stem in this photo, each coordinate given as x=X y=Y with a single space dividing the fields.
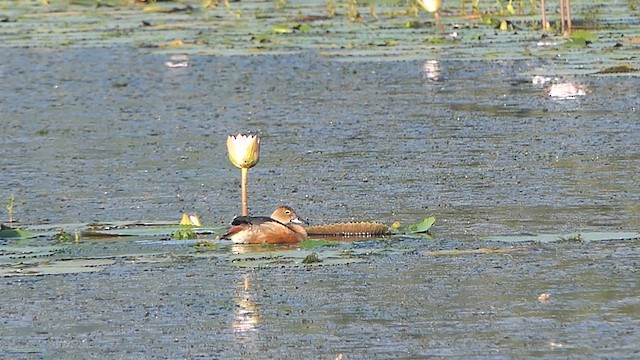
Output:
x=245 y=171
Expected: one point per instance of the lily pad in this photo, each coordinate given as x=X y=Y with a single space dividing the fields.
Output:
x=23 y=252
x=484 y=251
x=313 y=243
x=161 y=229
x=547 y=238
x=58 y=267
x=7 y=232
x=422 y=226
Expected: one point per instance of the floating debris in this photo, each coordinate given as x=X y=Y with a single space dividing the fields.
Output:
x=544 y=297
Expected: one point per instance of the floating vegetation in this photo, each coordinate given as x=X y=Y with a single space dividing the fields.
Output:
x=57 y=267
x=7 y=232
x=620 y=69
x=25 y=253
x=312 y=258
x=421 y=227
x=571 y=238
x=39 y=255
x=315 y=243
x=206 y=246
x=297 y=258
x=582 y=38
x=64 y=236
x=548 y=238
x=143 y=229
x=484 y=251
x=184 y=234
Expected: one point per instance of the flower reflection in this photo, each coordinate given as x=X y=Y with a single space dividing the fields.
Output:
x=246 y=315
x=431 y=70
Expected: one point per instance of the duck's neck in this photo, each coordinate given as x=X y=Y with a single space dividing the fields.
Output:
x=298 y=229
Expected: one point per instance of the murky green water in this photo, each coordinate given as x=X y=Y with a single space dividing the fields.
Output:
x=349 y=132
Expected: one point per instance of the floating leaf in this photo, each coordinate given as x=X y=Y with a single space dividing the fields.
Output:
x=545 y=238
x=314 y=243
x=582 y=38
x=58 y=267
x=473 y=251
x=9 y=232
x=280 y=29
x=142 y=230
x=22 y=253
x=302 y=27
x=422 y=226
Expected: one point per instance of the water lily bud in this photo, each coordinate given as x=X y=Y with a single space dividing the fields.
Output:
x=244 y=150
x=190 y=220
x=430 y=5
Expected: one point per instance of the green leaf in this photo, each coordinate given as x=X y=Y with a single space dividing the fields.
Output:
x=184 y=234
x=312 y=244
x=281 y=29
x=582 y=38
x=422 y=226
x=71 y=266
x=302 y=27
x=576 y=237
x=9 y=232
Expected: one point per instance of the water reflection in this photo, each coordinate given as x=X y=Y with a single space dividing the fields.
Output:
x=246 y=315
x=431 y=70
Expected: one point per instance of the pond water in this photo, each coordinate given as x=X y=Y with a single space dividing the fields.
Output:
x=457 y=132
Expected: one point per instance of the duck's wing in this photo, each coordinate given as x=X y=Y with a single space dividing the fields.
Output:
x=252 y=220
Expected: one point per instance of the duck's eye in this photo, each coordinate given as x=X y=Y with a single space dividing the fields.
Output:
x=287 y=212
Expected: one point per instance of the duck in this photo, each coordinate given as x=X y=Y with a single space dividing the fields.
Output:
x=282 y=227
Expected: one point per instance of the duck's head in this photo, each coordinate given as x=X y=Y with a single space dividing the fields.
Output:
x=286 y=215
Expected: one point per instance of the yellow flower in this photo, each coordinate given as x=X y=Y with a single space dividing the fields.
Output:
x=244 y=150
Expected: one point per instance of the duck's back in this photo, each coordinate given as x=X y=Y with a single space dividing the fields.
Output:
x=263 y=230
